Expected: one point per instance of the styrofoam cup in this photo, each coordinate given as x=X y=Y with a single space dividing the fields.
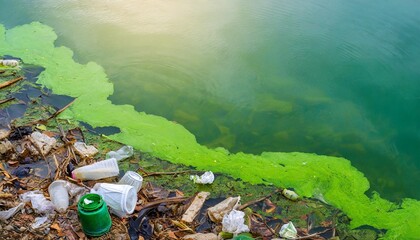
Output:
x=102 y=169
x=59 y=195
x=119 y=197
x=133 y=179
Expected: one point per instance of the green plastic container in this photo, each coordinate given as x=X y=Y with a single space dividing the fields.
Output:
x=94 y=215
x=243 y=237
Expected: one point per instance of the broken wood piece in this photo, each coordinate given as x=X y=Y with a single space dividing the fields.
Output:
x=10 y=82
x=195 y=207
x=7 y=100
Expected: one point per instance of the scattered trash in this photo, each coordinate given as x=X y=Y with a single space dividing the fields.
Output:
x=9 y=62
x=39 y=203
x=98 y=170
x=22 y=171
x=6 y=214
x=121 y=154
x=84 y=150
x=59 y=195
x=120 y=198
x=75 y=191
x=94 y=215
x=42 y=142
x=288 y=231
x=289 y=194
x=217 y=212
x=233 y=222
x=242 y=236
x=133 y=179
x=195 y=207
x=39 y=221
x=206 y=178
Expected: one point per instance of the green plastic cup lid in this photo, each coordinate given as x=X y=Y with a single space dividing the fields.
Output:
x=91 y=202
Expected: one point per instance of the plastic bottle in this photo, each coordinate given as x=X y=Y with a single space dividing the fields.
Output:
x=98 y=170
x=122 y=153
x=93 y=215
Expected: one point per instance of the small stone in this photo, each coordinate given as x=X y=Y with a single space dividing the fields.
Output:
x=22 y=229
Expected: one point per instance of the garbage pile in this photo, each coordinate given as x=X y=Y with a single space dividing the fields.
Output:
x=54 y=185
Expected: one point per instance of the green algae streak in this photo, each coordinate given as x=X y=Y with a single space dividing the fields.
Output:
x=339 y=183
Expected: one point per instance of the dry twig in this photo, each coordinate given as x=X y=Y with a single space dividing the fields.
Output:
x=10 y=82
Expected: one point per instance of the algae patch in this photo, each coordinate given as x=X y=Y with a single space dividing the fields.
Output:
x=339 y=183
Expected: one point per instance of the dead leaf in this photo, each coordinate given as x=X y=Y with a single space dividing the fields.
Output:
x=172 y=235
x=57 y=228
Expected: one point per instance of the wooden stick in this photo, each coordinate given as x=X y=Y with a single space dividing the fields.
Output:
x=7 y=100
x=312 y=235
x=10 y=82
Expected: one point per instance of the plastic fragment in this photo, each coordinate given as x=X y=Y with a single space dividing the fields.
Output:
x=43 y=142
x=121 y=154
x=39 y=203
x=39 y=221
x=234 y=222
x=87 y=201
x=6 y=214
x=206 y=178
x=217 y=212
x=288 y=231
x=84 y=150
x=289 y=194
x=9 y=62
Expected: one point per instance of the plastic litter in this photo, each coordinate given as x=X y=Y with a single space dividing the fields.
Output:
x=84 y=150
x=217 y=212
x=42 y=142
x=120 y=198
x=9 y=62
x=21 y=171
x=121 y=154
x=59 y=195
x=75 y=191
x=288 y=231
x=233 y=222
x=39 y=221
x=6 y=214
x=93 y=215
x=133 y=179
x=289 y=194
x=98 y=170
x=39 y=203
x=206 y=178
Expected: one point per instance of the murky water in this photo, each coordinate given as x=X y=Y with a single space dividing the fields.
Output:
x=338 y=78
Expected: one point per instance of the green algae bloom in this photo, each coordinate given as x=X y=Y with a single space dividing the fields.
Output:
x=339 y=183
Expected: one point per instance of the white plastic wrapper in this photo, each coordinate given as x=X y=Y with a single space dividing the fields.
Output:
x=39 y=203
x=288 y=231
x=6 y=214
x=121 y=154
x=234 y=222
x=206 y=178
x=39 y=221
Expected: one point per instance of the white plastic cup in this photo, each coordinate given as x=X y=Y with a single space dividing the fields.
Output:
x=121 y=154
x=133 y=179
x=102 y=169
x=59 y=195
x=119 y=197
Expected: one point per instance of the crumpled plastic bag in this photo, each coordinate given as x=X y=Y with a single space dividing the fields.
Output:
x=217 y=212
x=206 y=178
x=288 y=231
x=234 y=222
x=6 y=214
x=39 y=203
